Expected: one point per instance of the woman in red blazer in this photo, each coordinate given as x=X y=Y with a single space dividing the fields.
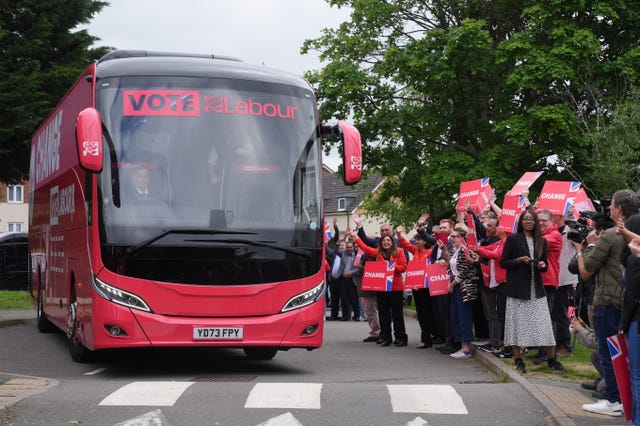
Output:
x=390 y=307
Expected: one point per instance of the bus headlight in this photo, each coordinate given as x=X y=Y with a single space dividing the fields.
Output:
x=304 y=299
x=118 y=296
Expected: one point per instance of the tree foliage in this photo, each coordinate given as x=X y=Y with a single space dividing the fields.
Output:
x=41 y=55
x=449 y=91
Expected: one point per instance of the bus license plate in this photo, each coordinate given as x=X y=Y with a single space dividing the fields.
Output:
x=217 y=333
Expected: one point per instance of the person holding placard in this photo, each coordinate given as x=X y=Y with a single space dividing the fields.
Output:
x=421 y=251
x=527 y=317
x=390 y=306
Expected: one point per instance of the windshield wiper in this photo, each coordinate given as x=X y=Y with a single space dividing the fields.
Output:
x=133 y=249
x=300 y=252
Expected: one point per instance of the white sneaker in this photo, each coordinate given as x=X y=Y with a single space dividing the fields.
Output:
x=460 y=354
x=604 y=407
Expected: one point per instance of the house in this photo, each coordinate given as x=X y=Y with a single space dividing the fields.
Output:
x=341 y=201
x=14 y=207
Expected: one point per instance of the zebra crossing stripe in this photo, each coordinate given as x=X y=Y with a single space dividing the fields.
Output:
x=285 y=395
x=433 y=399
x=147 y=393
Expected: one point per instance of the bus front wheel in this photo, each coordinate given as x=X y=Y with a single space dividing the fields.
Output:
x=78 y=351
x=260 y=354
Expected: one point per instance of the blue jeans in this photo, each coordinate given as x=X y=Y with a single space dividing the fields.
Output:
x=633 y=342
x=606 y=321
x=461 y=317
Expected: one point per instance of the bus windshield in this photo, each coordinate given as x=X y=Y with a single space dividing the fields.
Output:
x=209 y=181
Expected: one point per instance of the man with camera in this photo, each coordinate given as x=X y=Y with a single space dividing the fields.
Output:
x=600 y=257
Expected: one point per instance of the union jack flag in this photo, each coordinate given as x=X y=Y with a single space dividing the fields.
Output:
x=620 y=360
x=327 y=231
x=484 y=182
x=391 y=267
x=568 y=204
x=574 y=187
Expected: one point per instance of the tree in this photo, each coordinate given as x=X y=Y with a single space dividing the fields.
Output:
x=41 y=56
x=449 y=91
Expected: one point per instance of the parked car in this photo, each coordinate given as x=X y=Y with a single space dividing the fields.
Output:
x=14 y=261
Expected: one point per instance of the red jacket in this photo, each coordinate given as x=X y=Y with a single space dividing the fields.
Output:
x=399 y=259
x=417 y=254
x=493 y=252
x=554 y=247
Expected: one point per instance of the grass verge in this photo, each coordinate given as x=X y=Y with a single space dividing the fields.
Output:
x=578 y=367
x=10 y=299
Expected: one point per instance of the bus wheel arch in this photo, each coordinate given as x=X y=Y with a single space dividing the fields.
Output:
x=79 y=352
x=42 y=322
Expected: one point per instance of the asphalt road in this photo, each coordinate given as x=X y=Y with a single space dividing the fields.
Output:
x=346 y=382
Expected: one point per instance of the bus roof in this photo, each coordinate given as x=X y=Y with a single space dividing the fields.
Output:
x=145 y=63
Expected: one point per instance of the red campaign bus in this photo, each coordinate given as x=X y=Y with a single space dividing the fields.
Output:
x=176 y=201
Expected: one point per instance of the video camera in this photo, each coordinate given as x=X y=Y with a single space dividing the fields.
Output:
x=579 y=229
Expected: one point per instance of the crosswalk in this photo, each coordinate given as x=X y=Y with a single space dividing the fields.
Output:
x=409 y=398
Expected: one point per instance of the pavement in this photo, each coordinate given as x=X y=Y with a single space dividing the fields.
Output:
x=563 y=400
x=16 y=387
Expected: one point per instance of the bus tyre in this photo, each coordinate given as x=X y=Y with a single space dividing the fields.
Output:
x=79 y=353
x=43 y=324
x=260 y=354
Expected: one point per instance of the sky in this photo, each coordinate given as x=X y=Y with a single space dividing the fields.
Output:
x=262 y=32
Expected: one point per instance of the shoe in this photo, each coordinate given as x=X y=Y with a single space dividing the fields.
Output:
x=380 y=340
x=488 y=347
x=554 y=364
x=332 y=318
x=423 y=345
x=605 y=407
x=562 y=351
x=540 y=358
x=590 y=385
x=519 y=366
x=448 y=346
x=344 y=319
x=460 y=354
x=370 y=339
x=598 y=395
x=400 y=342
x=438 y=340
x=385 y=343
x=356 y=319
x=450 y=350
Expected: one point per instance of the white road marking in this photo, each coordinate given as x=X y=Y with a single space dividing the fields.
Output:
x=287 y=419
x=94 y=372
x=285 y=395
x=147 y=393
x=152 y=418
x=434 y=399
x=418 y=421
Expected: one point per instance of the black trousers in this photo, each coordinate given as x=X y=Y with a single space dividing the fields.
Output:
x=334 y=297
x=349 y=296
x=425 y=314
x=563 y=299
x=391 y=309
x=443 y=317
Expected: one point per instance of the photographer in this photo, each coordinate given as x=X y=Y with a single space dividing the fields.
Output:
x=601 y=258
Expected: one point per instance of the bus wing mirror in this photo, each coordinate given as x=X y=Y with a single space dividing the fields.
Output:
x=351 y=153
x=89 y=139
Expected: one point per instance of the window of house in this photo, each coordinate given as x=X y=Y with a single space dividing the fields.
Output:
x=342 y=204
x=15 y=193
x=14 y=226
